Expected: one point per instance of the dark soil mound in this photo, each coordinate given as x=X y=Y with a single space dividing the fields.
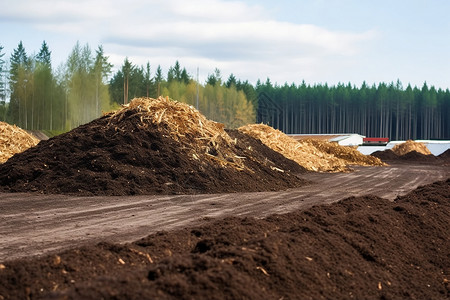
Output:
x=385 y=155
x=412 y=156
x=445 y=155
x=417 y=156
x=98 y=159
x=361 y=248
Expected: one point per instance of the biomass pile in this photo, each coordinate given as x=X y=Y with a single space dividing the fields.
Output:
x=358 y=248
x=410 y=145
x=349 y=154
x=14 y=140
x=311 y=154
x=151 y=146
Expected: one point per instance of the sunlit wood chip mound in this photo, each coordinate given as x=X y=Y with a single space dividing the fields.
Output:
x=14 y=140
x=303 y=153
x=351 y=155
x=182 y=122
x=410 y=145
x=314 y=155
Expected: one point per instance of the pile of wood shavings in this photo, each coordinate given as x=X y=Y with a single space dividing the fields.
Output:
x=349 y=154
x=14 y=140
x=303 y=153
x=410 y=145
x=184 y=124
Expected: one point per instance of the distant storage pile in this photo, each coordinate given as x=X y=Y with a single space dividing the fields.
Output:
x=160 y=146
x=409 y=146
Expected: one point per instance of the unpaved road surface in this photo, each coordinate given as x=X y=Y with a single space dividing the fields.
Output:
x=33 y=224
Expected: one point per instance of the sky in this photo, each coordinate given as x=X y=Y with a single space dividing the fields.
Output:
x=318 y=41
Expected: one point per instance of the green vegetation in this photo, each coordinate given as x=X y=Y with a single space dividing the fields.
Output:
x=386 y=110
x=78 y=91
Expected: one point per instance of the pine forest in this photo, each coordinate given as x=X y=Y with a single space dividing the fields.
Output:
x=37 y=96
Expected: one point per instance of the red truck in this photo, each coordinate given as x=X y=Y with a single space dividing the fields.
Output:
x=375 y=141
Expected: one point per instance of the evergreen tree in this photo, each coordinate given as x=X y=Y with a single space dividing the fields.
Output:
x=170 y=75
x=100 y=72
x=158 y=80
x=184 y=77
x=231 y=81
x=127 y=68
x=215 y=78
x=148 y=81
x=116 y=84
x=18 y=83
x=177 y=71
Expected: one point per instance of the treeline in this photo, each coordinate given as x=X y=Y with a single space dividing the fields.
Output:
x=79 y=90
x=43 y=99
x=383 y=110
x=232 y=102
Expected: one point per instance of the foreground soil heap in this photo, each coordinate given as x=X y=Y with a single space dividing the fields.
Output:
x=314 y=155
x=14 y=140
x=151 y=146
x=410 y=145
x=358 y=248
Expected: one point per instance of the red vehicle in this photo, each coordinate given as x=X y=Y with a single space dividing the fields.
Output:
x=375 y=141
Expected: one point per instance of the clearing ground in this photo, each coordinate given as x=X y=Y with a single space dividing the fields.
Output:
x=37 y=224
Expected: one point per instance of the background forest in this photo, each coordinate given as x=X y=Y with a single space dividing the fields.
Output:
x=36 y=96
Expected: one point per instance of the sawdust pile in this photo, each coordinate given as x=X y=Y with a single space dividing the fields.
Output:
x=185 y=124
x=410 y=145
x=349 y=154
x=314 y=155
x=14 y=140
x=303 y=153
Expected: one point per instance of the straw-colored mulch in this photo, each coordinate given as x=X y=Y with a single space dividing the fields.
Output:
x=349 y=154
x=14 y=140
x=410 y=145
x=314 y=155
x=206 y=138
x=303 y=153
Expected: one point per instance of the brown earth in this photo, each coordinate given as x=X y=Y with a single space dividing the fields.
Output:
x=216 y=246
x=361 y=247
x=98 y=159
x=390 y=156
x=445 y=155
x=35 y=224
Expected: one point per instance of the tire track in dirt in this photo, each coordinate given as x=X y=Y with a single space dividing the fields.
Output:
x=33 y=224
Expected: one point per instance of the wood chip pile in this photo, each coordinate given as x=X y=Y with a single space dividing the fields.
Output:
x=314 y=155
x=14 y=140
x=185 y=124
x=303 y=153
x=349 y=154
x=410 y=145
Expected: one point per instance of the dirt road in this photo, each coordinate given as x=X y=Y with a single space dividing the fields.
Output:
x=37 y=224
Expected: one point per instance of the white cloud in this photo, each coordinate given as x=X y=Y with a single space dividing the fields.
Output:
x=231 y=35
x=55 y=11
